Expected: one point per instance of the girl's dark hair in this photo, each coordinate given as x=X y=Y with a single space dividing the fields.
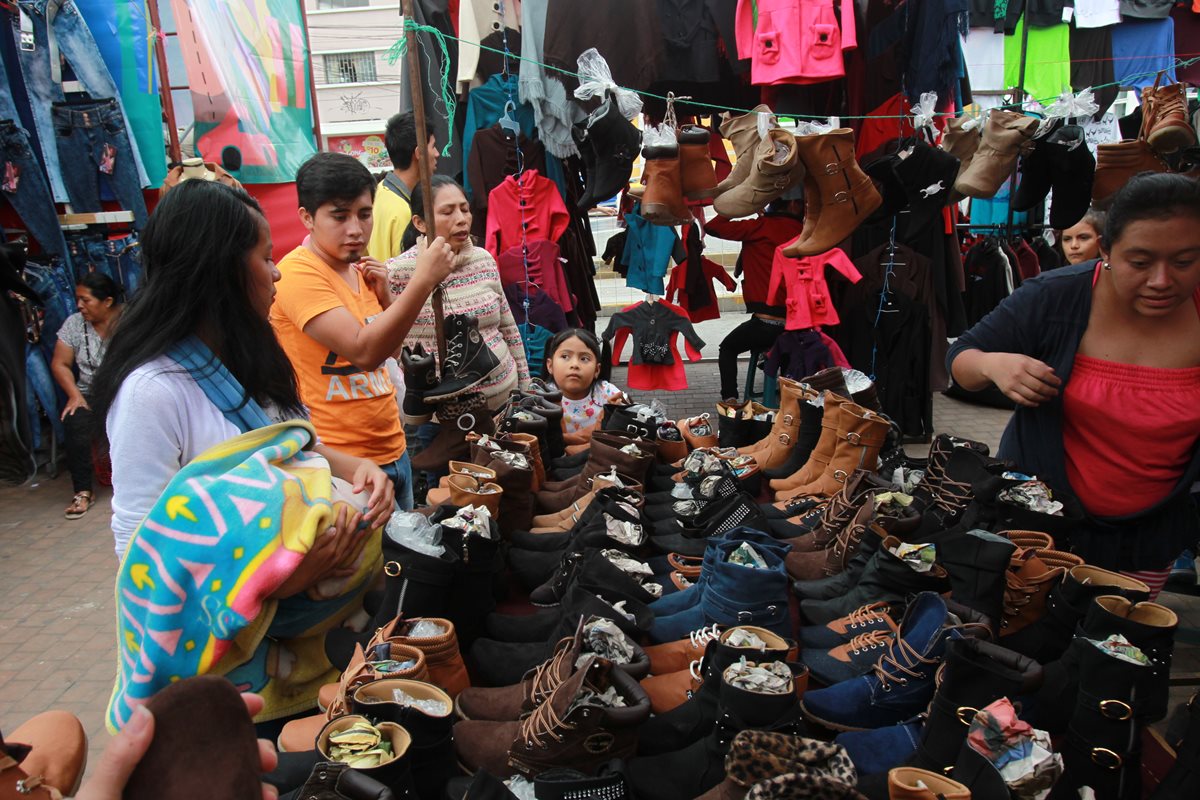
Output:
x=1151 y=195
x=194 y=251
x=416 y=204
x=101 y=286
x=591 y=340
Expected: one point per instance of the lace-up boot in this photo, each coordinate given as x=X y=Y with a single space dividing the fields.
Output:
x=468 y=363
x=856 y=657
x=902 y=682
x=420 y=376
x=572 y=728
x=508 y=703
x=1031 y=575
x=1166 y=116
x=864 y=619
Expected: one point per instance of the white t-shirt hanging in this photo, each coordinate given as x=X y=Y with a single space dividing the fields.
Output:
x=984 y=52
x=1097 y=13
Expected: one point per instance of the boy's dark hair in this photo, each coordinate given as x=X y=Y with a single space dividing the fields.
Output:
x=329 y=177
x=400 y=139
x=1151 y=195
x=101 y=286
x=590 y=340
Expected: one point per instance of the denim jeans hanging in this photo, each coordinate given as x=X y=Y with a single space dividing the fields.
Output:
x=58 y=29
x=24 y=186
x=41 y=391
x=119 y=259
x=55 y=284
x=94 y=148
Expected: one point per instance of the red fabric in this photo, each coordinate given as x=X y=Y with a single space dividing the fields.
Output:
x=1027 y=260
x=649 y=377
x=545 y=270
x=279 y=204
x=835 y=352
x=719 y=155
x=533 y=202
x=1128 y=432
x=799 y=284
x=712 y=272
x=759 y=237
x=884 y=125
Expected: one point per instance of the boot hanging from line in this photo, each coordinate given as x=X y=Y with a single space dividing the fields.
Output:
x=468 y=363
x=838 y=195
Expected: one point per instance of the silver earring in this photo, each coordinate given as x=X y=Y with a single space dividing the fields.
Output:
x=1107 y=266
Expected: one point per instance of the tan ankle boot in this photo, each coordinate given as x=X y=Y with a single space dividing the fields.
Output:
x=845 y=194
x=1165 y=117
x=910 y=783
x=775 y=168
x=742 y=132
x=821 y=454
x=1117 y=162
x=1005 y=135
x=466 y=490
x=787 y=424
x=698 y=179
x=662 y=200
x=860 y=435
x=535 y=457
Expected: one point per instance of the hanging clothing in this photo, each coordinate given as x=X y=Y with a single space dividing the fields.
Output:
x=1027 y=260
x=689 y=47
x=543 y=311
x=798 y=354
x=648 y=251
x=553 y=111
x=759 y=237
x=524 y=211
x=535 y=339
x=1092 y=65
x=485 y=107
x=712 y=271
x=1142 y=48
x=655 y=363
x=627 y=33
x=988 y=282
x=795 y=41
x=928 y=36
x=1047 y=61
x=799 y=284
x=492 y=158
x=539 y=262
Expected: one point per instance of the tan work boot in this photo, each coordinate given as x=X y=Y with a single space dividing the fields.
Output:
x=836 y=192
x=1117 y=162
x=1165 y=118
x=698 y=179
x=662 y=199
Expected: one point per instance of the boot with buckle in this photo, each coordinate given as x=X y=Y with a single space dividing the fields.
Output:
x=807 y=435
x=562 y=731
x=775 y=167
x=860 y=435
x=44 y=757
x=469 y=362
x=681 y=601
x=459 y=418
x=841 y=195
x=822 y=453
x=777 y=448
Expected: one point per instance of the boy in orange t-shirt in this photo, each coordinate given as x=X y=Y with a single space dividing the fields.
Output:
x=337 y=321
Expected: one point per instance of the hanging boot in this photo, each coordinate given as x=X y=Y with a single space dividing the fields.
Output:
x=742 y=132
x=961 y=139
x=662 y=200
x=860 y=435
x=775 y=167
x=613 y=143
x=888 y=578
x=977 y=564
x=697 y=176
x=844 y=193
x=909 y=783
x=1072 y=170
x=822 y=453
x=1005 y=135
x=563 y=731
x=1117 y=162
x=1166 y=117
x=469 y=361
x=457 y=418
x=752 y=696
x=420 y=377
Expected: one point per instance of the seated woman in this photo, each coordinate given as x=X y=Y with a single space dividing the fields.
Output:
x=223 y=502
x=1103 y=361
x=81 y=343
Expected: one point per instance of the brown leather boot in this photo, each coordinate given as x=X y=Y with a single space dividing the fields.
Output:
x=697 y=177
x=442 y=656
x=607 y=451
x=787 y=424
x=861 y=434
x=774 y=168
x=1117 y=162
x=821 y=454
x=1029 y=581
x=695 y=440
x=669 y=450
x=835 y=551
x=910 y=783
x=742 y=132
x=565 y=519
x=466 y=490
x=662 y=200
x=1006 y=134
x=57 y=755
x=845 y=195
x=1165 y=117
x=466 y=468
x=535 y=457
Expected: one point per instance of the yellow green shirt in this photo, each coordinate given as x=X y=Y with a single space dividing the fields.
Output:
x=391 y=214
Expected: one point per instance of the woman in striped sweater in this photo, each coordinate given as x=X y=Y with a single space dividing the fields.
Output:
x=472 y=288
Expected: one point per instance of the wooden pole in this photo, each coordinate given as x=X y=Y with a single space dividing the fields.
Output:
x=312 y=80
x=164 y=82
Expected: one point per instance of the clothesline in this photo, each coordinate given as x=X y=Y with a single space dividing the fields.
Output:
x=1179 y=63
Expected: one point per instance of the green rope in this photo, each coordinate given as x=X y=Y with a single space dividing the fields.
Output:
x=441 y=37
x=449 y=99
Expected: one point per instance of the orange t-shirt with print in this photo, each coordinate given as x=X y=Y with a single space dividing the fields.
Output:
x=352 y=410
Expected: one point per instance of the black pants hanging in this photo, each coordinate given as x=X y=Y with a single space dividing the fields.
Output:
x=80 y=430
x=754 y=335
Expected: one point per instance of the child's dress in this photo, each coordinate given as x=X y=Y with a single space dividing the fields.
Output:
x=579 y=415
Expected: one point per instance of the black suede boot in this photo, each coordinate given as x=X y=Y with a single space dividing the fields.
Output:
x=478 y=578
x=977 y=564
x=552 y=411
x=886 y=578
x=589 y=566
x=420 y=376
x=614 y=142
x=468 y=363
x=578 y=599
x=432 y=746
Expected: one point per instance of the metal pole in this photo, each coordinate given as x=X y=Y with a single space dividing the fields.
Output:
x=164 y=82
x=312 y=80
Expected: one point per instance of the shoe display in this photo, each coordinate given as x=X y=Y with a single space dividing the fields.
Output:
x=468 y=363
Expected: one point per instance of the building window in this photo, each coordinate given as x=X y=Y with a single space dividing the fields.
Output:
x=323 y=4
x=350 y=68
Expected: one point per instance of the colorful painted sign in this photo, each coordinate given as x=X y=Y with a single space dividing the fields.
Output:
x=370 y=150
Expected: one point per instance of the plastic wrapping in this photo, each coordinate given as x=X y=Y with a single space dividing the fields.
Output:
x=659 y=136
x=595 y=79
x=426 y=629
x=415 y=532
x=770 y=678
x=602 y=637
x=1070 y=105
x=766 y=122
x=924 y=111
x=434 y=708
x=472 y=521
x=521 y=788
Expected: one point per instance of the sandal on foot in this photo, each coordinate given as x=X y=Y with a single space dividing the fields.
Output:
x=80 y=505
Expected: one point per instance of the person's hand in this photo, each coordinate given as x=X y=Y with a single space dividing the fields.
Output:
x=74 y=404
x=351 y=535
x=379 y=504
x=435 y=260
x=375 y=276
x=126 y=749
x=1024 y=380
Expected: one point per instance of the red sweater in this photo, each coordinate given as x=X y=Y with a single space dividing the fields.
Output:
x=759 y=237
x=533 y=204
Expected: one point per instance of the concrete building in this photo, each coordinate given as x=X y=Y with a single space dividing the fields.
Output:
x=356 y=88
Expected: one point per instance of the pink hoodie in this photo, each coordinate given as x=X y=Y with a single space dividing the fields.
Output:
x=794 y=41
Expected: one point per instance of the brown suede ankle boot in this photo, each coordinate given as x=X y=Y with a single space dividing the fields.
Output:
x=821 y=454
x=846 y=194
x=698 y=179
x=1005 y=135
x=861 y=433
x=742 y=132
x=466 y=490
x=787 y=424
x=775 y=168
x=662 y=200
x=1117 y=162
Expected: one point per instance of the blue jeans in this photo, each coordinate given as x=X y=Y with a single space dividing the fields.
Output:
x=40 y=390
x=24 y=185
x=400 y=471
x=56 y=286
x=119 y=259
x=94 y=146
x=59 y=30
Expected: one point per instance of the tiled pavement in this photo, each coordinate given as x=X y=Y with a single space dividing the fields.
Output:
x=56 y=592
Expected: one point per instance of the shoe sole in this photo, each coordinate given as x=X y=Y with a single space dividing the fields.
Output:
x=833 y=726
x=455 y=394
x=1172 y=139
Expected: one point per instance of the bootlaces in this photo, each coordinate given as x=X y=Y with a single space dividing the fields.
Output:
x=865 y=614
x=948 y=495
x=543 y=722
x=909 y=654
x=545 y=678
x=869 y=641
x=702 y=636
x=454 y=353
x=1017 y=595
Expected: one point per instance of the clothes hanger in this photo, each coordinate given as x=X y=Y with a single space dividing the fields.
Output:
x=507 y=122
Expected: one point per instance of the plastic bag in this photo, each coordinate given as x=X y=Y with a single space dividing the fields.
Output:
x=1069 y=105
x=434 y=708
x=415 y=532
x=659 y=136
x=924 y=111
x=595 y=78
x=426 y=629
